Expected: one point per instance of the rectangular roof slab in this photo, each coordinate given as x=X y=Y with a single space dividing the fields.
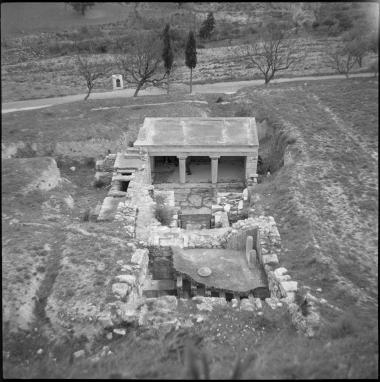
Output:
x=125 y=161
x=196 y=131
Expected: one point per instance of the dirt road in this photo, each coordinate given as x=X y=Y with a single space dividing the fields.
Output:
x=219 y=87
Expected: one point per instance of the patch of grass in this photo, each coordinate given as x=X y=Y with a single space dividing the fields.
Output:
x=99 y=183
x=41 y=269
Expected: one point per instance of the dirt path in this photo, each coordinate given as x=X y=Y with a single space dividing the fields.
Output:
x=219 y=87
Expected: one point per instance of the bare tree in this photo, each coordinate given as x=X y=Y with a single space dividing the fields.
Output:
x=272 y=51
x=141 y=63
x=90 y=71
x=342 y=60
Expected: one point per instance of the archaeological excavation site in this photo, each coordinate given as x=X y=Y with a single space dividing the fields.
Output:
x=183 y=194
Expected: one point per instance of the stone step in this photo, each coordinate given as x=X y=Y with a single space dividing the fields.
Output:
x=117 y=194
x=151 y=285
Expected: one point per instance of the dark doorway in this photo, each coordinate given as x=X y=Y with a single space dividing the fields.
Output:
x=124 y=185
x=118 y=83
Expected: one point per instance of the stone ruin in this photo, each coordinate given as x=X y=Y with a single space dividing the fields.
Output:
x=169 y=257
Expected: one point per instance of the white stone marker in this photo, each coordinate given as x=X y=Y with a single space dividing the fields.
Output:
x=117 y=82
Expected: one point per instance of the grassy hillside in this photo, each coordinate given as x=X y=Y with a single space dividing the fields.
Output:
x=323 y=154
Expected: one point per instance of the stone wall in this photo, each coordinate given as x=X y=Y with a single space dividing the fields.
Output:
x=237 y=238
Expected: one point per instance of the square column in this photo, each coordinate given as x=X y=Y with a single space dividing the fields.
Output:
x=151 y=168
x=182 y=168
x=251 y=167
x=214 y=169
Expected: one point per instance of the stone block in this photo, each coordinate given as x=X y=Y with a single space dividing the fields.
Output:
x=258 y=303
x=117 y=194
x=270 y=259
x=227 y=207
x=247 y=305
x=216 y=207
x=280 y=271
x=284 y=278
x=245 y=194
x=99 y=165
x=221 y=219
x=79 y=353
x=128 y=279
x=240 y=205
x=121 y=289
x=105 y=319
x=289 y=286
x=140 y=257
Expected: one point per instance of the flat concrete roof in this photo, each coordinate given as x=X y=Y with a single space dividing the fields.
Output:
x=123 y=161
x=198 y=131
x=229 y=268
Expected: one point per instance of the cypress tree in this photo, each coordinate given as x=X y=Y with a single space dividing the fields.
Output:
x=191 y=56
x=167 y=54
x=207 y=26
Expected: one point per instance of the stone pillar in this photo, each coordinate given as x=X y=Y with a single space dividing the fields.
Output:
x=151 y=169
x=248 y=248
x=251 y=167
x=182 y=169
x=214 y=169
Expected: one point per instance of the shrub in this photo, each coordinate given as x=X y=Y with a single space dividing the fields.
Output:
x=98 y=183
x=164 y=214
x=243 y=111
x=346 y=325
x=90 y=162
x=41 y=268
x=220 y=99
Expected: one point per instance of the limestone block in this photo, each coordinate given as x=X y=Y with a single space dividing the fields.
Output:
x=270 y=259
x=227 y=207
x=140 y=257
x=240 y=205
x=99 y=165
x=105 y=319
x=258 y=303
x=167 y=302
x=245 y=194
x=117 y=194
x=129 y=279
x=103 y=176
x=289 y=286
x=272 y=302
x=280 y=271
x=120 y=332
x=131 y=247
x=247 y=304
x=121 y=289
x=79 y=353
x=284 y=278
x=216 y=207
x=221 y=219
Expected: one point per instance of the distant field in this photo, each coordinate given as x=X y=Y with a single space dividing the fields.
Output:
x=26 y=18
